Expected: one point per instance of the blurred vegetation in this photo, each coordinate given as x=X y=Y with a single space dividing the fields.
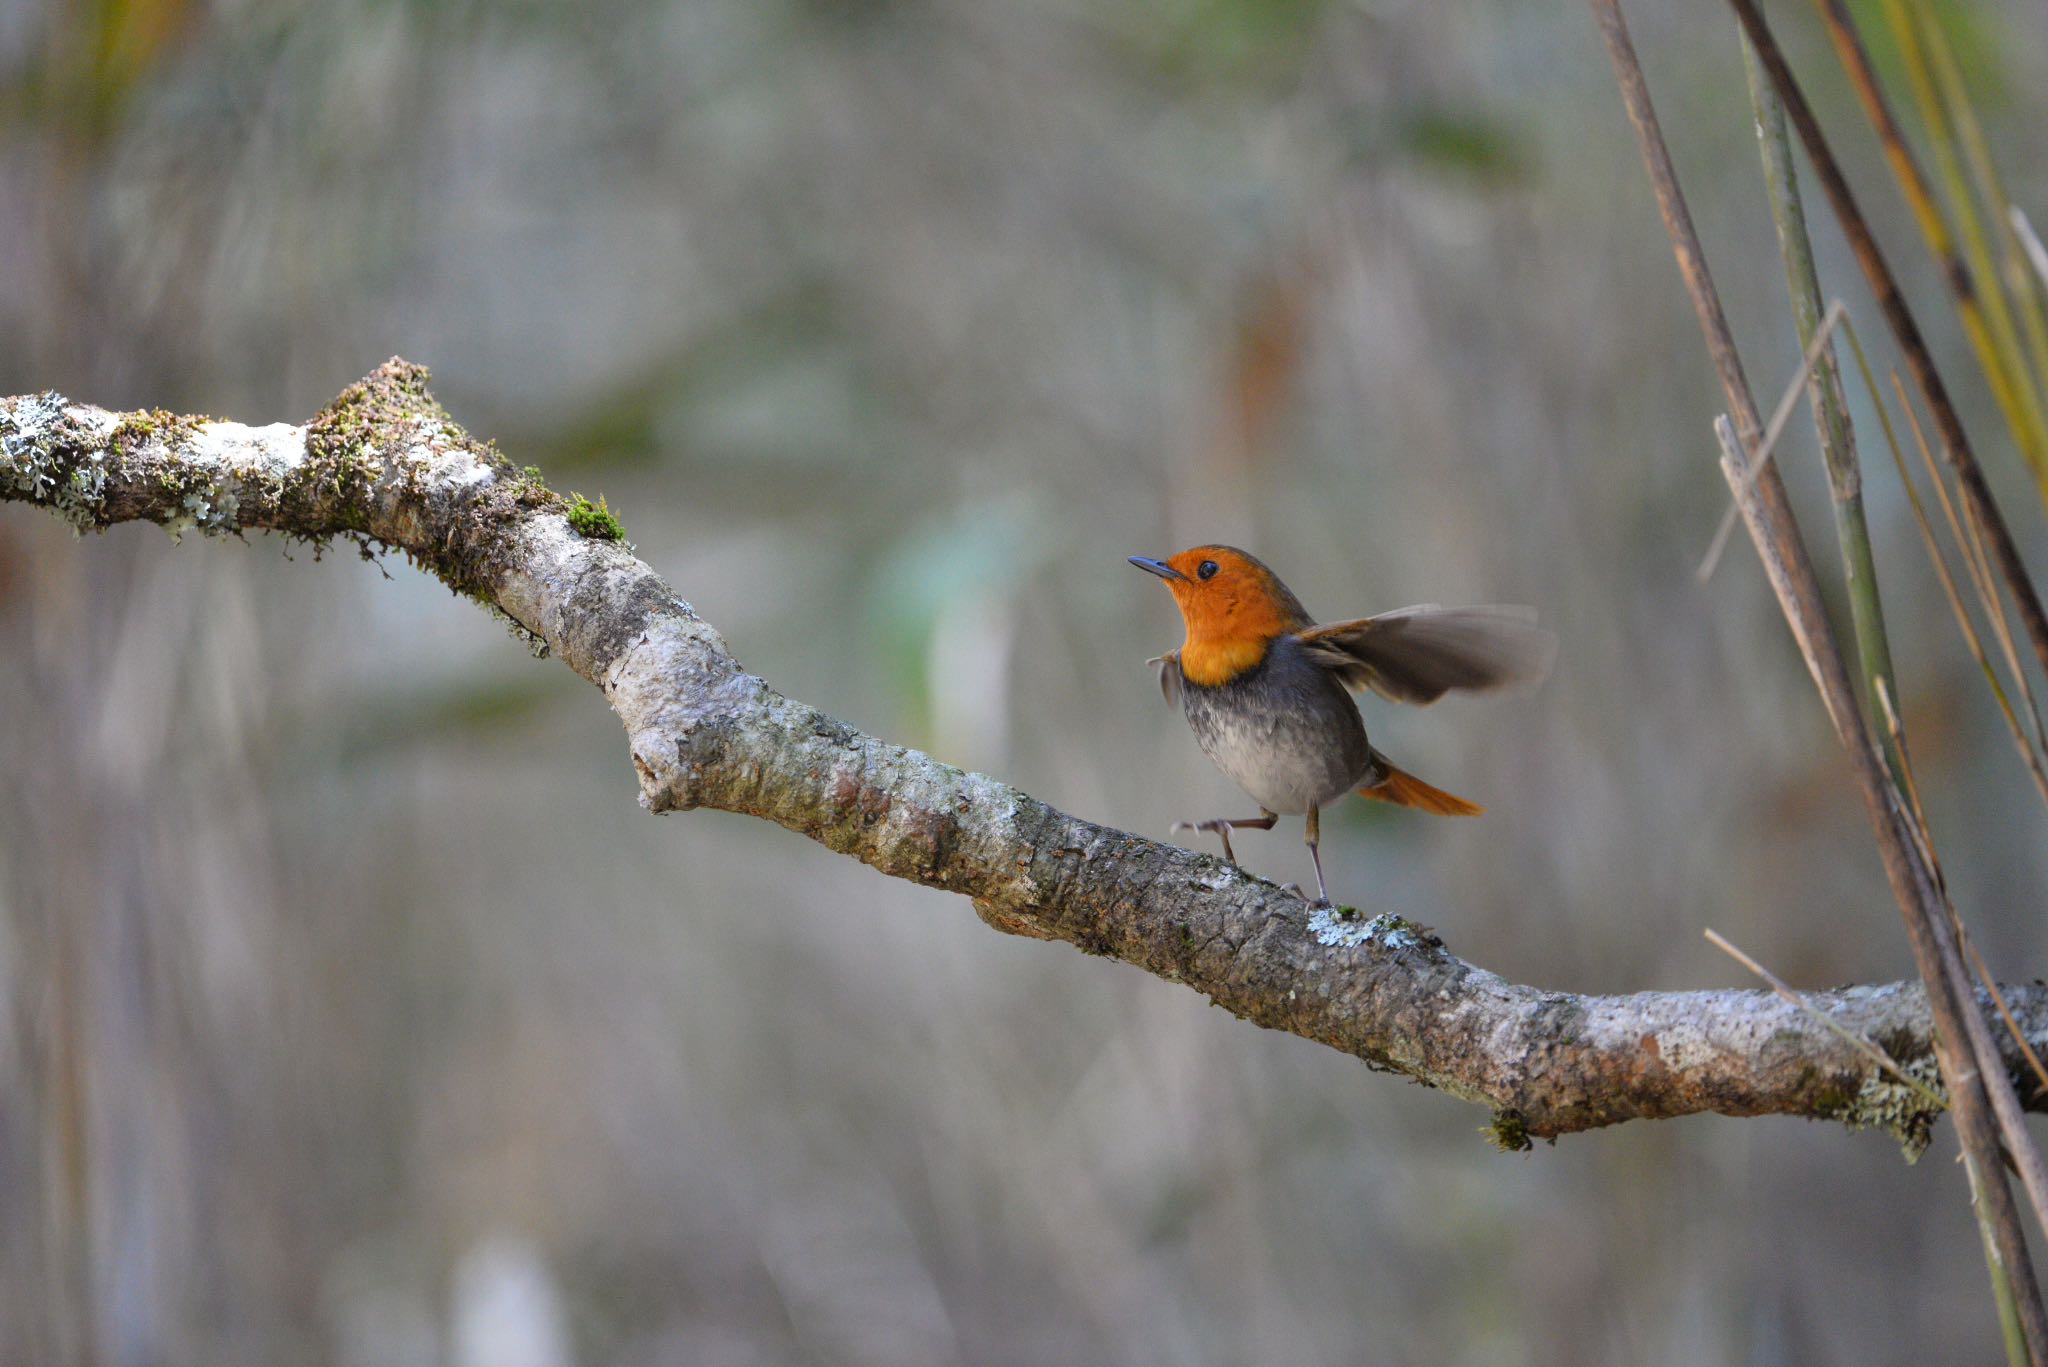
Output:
x=357 y=1015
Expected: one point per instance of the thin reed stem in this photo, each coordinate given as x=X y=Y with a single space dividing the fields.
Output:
x=1824 y=393
x=1870 y=258
x=1964 y=1054
x=2019 y=277
x=1991 y=330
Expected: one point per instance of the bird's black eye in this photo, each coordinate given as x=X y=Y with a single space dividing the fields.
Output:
x=1206 y=570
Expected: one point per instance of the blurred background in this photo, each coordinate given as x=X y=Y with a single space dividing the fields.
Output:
x=356 y=1014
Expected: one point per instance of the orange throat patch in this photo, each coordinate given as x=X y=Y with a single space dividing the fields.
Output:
x=1208 y=662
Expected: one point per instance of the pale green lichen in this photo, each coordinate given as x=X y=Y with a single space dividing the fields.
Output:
x=1343 y=928
x=1899 y=1109
x=535 y=643
x=211 y=507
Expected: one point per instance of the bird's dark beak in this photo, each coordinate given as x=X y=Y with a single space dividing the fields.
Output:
x=1158 y=567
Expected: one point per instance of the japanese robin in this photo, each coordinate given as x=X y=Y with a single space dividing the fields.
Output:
x=1266 y=690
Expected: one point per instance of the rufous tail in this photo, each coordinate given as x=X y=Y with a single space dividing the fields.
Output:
x=1405 y=790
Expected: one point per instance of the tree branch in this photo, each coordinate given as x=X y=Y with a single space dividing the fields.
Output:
x=384 y=466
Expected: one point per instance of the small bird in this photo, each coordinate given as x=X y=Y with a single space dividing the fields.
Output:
x=1265 y=689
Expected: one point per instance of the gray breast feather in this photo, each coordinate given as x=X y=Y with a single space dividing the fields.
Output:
x=1286 y=732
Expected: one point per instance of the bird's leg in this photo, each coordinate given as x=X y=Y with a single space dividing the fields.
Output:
x=1315 y=833
x=1221 y=826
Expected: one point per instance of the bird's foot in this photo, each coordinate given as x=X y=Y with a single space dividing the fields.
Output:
x=1215 y=825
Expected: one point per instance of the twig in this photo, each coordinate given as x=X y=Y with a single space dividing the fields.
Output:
x=1910 y=788
x=2003 y=1292
x=1836 y=434
x=1856 y=1042
x=1979 y=296
x=1928 y=921
x=1983 y=970
x=1956 y=448
x=2037 y=255
x=1997 y=996
x=2002 y=628
x=1773 y=529
x=1943 y=575
x=387 y=464
x=2017 y=276
x=1774 y=429
x=1987 y=594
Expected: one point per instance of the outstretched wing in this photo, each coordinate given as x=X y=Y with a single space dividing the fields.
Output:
x=1168 y=667
x=1419 y=654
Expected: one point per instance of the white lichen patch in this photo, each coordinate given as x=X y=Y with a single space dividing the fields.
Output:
x=460 y=474
x=230 y=456
x=25 y=427
x=267 y=453
x=1343 y=928
x=31 y=469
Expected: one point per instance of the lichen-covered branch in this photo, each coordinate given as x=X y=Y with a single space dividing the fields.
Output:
x=384 y=466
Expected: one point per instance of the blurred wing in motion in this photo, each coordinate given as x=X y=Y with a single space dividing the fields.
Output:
x=1419 y=654
x=1168 y=666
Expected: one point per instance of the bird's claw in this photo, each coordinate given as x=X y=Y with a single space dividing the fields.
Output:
x=1215 y=825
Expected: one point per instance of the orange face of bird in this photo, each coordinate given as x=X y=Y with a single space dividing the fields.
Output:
x=1234 y=608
